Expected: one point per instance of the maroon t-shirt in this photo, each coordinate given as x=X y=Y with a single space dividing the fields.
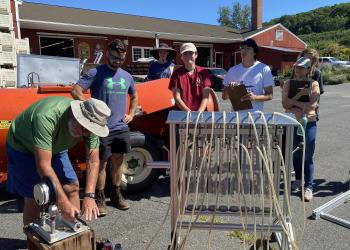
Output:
x=190 y=85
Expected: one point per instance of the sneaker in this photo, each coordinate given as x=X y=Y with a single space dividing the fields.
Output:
x=118 y=200
x=101 y=203
x=296 y=185
x=308 y=194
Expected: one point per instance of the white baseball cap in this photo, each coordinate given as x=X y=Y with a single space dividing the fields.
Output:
x=188 y=47
x=303 y=62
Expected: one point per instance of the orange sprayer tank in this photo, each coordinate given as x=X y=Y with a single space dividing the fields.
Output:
x=155 y=99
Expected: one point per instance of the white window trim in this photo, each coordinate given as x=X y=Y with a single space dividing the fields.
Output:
x=279 y=31
x=236 y=54
x=222 y=53
x=142 y=51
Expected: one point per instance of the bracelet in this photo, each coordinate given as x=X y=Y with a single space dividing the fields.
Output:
x=89 y=195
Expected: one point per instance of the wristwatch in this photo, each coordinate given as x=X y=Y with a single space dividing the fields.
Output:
x=89 y=195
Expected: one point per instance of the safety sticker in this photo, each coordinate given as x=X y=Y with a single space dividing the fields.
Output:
x=5 y=124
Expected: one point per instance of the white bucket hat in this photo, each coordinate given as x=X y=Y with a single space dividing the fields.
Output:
x=92 y=114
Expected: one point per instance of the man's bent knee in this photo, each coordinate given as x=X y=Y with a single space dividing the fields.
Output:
x=103 y=165
x=117 y=158
x=71 y=188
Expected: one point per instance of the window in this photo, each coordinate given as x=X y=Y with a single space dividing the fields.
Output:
x=146 y=53
x=279 y=35
x=136 y=53
x=140 y=52
x=219 y=59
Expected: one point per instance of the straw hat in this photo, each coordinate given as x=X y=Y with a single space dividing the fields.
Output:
x=92 y=114
x=163 y=46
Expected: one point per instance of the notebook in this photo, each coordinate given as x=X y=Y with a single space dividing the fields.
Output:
x=295 y=86
x=235 y=94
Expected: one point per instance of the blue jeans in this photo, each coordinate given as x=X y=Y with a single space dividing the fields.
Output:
x=310 y=137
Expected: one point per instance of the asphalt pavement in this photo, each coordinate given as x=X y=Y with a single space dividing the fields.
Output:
x=135 y=227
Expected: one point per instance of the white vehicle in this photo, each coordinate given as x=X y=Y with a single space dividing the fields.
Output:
x=330 y=62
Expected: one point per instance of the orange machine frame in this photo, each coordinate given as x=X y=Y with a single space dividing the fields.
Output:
x=155 y=100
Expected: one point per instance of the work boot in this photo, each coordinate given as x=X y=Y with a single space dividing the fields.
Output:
x=118 y=200
x=101 y=203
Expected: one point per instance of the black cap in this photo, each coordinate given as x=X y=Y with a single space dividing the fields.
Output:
x=251 y=43
x=117 y=45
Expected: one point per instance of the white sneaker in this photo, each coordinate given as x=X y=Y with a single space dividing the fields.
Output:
x=308 y=194
x=296 y=185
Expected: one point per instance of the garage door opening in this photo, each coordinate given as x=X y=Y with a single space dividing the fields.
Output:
x=53 y=46
x=203 y=58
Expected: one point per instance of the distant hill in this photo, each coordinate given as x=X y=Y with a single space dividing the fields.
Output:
x=321 y=28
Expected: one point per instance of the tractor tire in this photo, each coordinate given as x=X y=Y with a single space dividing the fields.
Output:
x=136 y=176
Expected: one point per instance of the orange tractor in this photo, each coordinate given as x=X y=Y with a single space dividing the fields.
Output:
x=149 y=132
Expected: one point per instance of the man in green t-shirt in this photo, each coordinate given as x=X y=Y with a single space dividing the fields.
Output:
x=37 y=145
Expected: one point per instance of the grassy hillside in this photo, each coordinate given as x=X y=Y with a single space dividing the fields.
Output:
x=335 y=42
x=326 y=29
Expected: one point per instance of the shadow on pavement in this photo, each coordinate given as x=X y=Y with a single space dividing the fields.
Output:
x=322 y=188
x=12 y=244
x=10 y=203
x=5 y=196
x=10 y=207
x=160 y=188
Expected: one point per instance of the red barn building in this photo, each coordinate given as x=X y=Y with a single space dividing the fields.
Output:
x=81 y=33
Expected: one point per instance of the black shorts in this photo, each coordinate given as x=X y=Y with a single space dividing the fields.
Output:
x=117 y=142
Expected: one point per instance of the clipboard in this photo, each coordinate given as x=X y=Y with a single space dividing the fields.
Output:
x=294 y=88
x=235 y=94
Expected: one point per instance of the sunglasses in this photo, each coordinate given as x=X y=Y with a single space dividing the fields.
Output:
x=245 y=48
x=116 y=58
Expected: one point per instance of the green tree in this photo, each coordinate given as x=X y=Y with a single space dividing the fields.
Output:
x=332 y=49
x=324 y=19
x=237 y=17
x=345 y=54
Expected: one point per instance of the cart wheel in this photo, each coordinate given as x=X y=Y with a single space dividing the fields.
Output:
x=136 y=176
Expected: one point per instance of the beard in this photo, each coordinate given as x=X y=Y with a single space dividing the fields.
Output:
x=72 y=128
x=113 y=65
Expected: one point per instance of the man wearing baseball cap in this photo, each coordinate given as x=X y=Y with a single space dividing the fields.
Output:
x=37 y=144
x=111 y=84
x=190 y=83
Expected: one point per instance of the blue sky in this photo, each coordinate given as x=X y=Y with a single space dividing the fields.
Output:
x=199 y=11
